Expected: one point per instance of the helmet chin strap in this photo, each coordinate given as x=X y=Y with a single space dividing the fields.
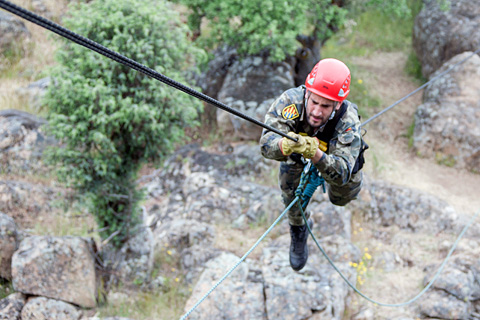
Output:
x=334 y=111
x=332 y=115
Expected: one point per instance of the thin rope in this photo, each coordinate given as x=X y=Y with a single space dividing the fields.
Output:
x=241 y=260
x=391 y=304
x=419 y=88
x=94 y=46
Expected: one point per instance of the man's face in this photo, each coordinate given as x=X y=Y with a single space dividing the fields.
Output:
x=319 y=110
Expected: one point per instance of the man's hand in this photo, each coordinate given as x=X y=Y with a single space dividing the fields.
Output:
x=307 y=146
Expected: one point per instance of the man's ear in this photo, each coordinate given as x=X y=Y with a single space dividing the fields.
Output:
x=337 y=105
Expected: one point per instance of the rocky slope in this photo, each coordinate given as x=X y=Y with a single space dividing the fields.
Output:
x=206 y=206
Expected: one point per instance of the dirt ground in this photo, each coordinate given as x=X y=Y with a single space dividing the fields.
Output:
x=389 y=158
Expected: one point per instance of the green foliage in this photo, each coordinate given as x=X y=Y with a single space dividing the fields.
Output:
x=410 y=134
x=372 y=31
x=445 y=159
x=398 y=8
x=267 y=27
x=413 y=67
x=369 y=31
x=111 y=119
x=391 y=8
x=6 y=288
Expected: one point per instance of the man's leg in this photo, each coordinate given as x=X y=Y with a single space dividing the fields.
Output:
x=341 y=195
x=289 y=178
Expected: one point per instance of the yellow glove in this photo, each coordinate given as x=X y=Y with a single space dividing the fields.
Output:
x=307 y=146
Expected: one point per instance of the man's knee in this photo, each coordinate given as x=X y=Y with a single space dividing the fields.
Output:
x=341 y=196
x=338 y=201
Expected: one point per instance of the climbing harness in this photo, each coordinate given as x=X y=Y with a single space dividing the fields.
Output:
x=310 y=179
x=94 y=46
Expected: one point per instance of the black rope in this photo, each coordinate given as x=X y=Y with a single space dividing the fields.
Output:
x=94 y=46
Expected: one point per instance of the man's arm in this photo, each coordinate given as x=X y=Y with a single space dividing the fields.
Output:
x=269 y=142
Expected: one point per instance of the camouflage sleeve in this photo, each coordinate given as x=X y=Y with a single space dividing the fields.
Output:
x=269 y=140
x=336 y=166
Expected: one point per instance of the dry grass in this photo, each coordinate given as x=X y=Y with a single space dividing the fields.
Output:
x=38 y=55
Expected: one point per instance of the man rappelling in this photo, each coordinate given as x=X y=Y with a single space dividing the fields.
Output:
x=327 y=129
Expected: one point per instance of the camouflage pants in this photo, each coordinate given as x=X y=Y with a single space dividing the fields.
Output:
x=289 y=178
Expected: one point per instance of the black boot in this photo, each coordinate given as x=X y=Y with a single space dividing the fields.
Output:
x=298 y=246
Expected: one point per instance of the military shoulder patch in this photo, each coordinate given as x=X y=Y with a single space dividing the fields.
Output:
x=290 y=112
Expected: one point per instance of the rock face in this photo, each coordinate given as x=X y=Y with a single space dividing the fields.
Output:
x=204 y=191
x=212 y=80
x=190 y=240
x=11 y=306
x=457 y=289
x=56 y=267
x=235 y=298
x=49 y=309
x=250 y=86
x=8 y=245
x=21 y=141
x=207 y=187
x=446 y=124
x=34 y=92
x=439 y=35
x=133 y=262
x=199 y=190
x=24 y=200
x=316 y=292
x=11 y=29
x=271 y=290
x=389 y=205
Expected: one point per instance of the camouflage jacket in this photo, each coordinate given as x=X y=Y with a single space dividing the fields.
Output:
x=287 y=114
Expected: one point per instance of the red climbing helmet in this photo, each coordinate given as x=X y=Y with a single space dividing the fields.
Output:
x=330 y=78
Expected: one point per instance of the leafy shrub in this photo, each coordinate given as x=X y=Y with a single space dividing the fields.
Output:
x=268 y=27
x=111 y=119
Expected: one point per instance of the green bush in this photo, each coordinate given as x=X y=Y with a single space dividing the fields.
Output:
x=268 y=27
x=111 y=119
